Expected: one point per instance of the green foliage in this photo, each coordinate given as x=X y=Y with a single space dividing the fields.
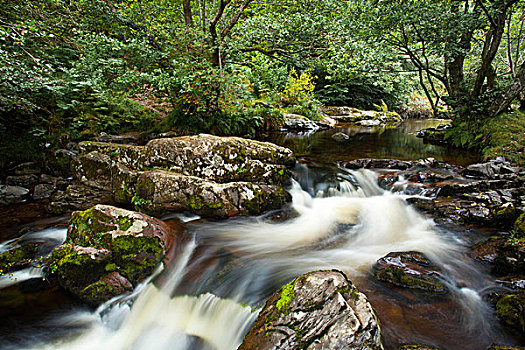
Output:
x=503 y=136
x=140 y=203
x=298 y=95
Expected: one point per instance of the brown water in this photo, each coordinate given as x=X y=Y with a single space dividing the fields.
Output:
x=387 y=141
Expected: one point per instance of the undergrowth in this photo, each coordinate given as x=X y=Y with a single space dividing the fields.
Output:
x=501 y=136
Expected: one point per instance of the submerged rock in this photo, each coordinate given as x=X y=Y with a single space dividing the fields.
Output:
x=318 y=310
x=339 y=136
x=109 y=251
x=410 y=270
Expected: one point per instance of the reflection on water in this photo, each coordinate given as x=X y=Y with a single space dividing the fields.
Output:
x=385 y=141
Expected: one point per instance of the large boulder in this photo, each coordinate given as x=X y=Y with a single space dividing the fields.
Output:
x=108 y=251
x=211 y=176
x=354 y=115
x=222 y=159
x=318 y=310
x=162 y=190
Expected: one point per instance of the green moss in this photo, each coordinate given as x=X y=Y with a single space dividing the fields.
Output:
x=136 y=257
x=98 y=292
x=286 y=298
x=88 y=228
x=111 y=267
x=17 y=258
x=124 y=223
x=519 y=226
x=511 y=309
x=399 y=277
x=76 y=271
x=195 y=202
x=145 y=188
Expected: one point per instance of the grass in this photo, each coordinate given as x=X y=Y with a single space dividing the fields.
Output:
x=506 y=137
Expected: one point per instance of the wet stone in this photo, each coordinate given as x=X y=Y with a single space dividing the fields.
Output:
x=12 y=194
x=339 y=136
x=43 y=191
x=410 y=270
x=22 y=180
x=318 y=310
x=295 y=122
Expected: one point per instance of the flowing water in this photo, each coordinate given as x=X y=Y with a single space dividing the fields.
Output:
x=211 y=293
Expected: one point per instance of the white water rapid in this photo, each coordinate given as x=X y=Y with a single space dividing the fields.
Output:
x=200 y=303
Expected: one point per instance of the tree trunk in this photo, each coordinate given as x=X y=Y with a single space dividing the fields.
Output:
x=515 y=89
x=188 y=16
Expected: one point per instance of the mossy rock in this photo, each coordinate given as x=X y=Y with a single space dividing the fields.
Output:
x=108 y=240
x=78 y=267
x=320 y=309
x=510 y=258
x=106 y=288
x=519 y=226
x=17 y=258
x=410 y=270
x=510 y=309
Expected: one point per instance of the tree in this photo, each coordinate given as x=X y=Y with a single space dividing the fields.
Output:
x=440 y=39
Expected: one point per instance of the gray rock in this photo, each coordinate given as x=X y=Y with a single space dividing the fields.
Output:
x=167 y=191
x=369 y=123
x=22 y=180
x=327 y=122
x=43 y=191
x=222 y=159
x=492 y=170
x=12 y=194
x=120 y=139
x=208 y=175
x=339 y=136
x=318 y=310
x=295 y=122
x=94 y=169
x=78 y=197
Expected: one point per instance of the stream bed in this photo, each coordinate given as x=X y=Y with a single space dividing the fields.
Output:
x=210 y=295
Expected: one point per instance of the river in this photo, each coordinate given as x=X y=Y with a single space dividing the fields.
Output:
x=225 y=271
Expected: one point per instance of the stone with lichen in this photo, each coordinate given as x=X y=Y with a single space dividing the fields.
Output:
x=211 y=176
x=108 y=251
x=317 y=310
